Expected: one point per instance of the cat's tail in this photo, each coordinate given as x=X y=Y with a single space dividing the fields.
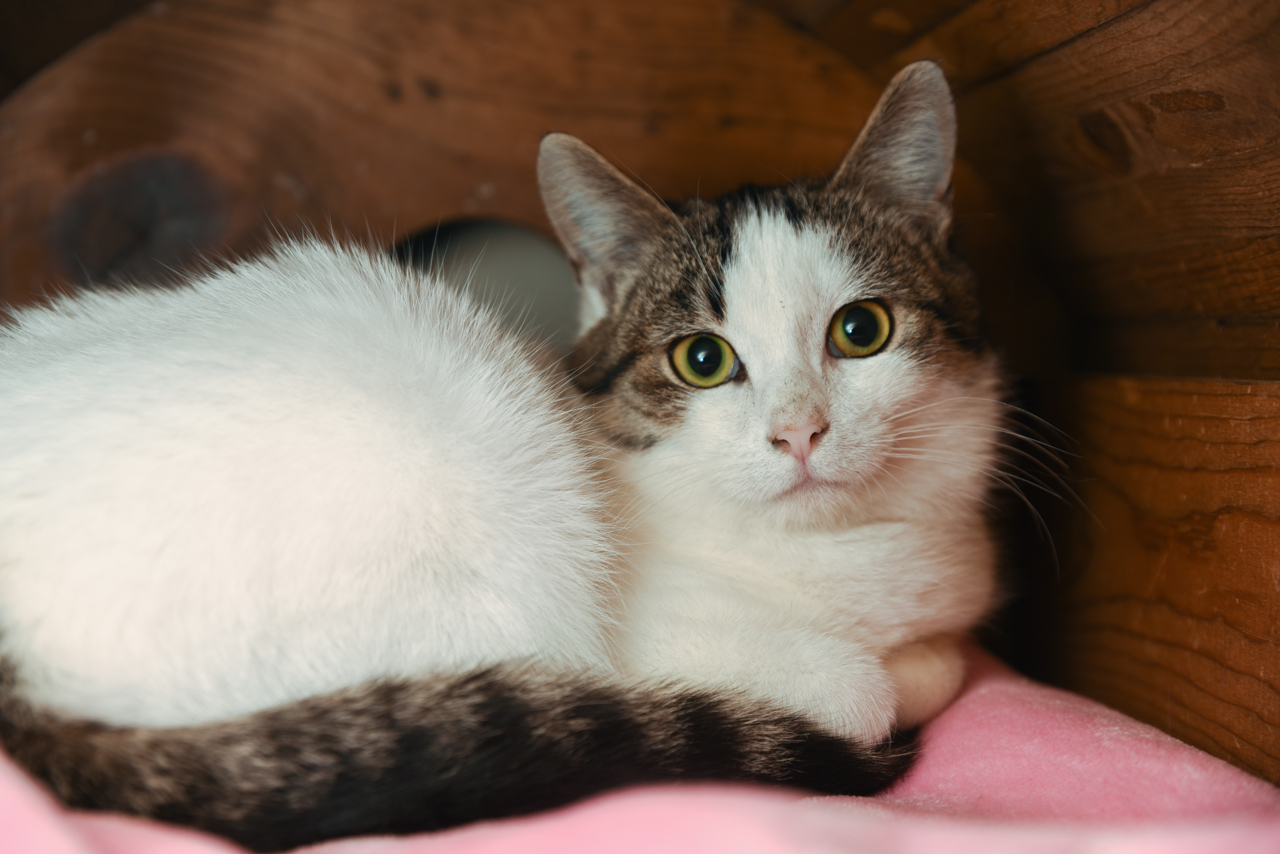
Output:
x=405 y=756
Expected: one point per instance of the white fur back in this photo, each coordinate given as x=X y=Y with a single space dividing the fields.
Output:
x=300 y=474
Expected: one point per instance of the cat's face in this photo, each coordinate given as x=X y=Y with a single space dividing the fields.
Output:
x=809 y=350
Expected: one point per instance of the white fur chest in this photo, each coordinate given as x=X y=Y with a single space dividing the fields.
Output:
x=805 y=617
x=883 y=583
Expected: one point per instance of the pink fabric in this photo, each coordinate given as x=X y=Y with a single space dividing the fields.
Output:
x=1012 y=766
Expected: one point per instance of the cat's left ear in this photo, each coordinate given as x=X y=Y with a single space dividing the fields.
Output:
x=904 y=155
x=603 y=219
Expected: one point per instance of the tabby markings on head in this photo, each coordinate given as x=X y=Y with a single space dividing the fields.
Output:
x=679 y=282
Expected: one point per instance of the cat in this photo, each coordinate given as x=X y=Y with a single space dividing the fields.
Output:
x=313 y=547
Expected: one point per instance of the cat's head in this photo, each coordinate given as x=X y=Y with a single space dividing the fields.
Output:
x=811 y=348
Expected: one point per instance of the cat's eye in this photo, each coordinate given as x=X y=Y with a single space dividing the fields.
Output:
x=859 y=329
x=704 y=360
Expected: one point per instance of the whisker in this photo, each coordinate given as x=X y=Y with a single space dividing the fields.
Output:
x=1008 y=480
x=944 y=428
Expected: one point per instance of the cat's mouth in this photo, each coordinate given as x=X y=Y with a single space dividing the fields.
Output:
x=807 y=484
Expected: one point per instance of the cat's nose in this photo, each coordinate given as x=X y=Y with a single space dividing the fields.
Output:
x=800 y=441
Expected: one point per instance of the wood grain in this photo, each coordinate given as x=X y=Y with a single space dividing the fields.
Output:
x=1241 y=348
x=33 y=34
x=1171 y=601
x=868 y=32
x=1142 y=158
x=200 y=128
x=992 y=36
x=1232 y=277
x=313 y=113
x=807 y=13
x=1174 y=91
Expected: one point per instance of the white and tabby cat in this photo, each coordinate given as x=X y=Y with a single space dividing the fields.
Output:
x=312 y=547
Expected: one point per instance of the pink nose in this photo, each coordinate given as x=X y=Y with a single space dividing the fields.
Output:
x=800 y=441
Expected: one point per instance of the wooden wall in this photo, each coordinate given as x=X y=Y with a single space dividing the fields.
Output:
x=34 y=33
x=1119 y=192
x=1137 y=145
x=204 y=126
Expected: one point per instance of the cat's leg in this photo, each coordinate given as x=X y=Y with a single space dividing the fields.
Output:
x=927 y=675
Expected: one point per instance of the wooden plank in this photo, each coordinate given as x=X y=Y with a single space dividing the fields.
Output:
x=34 y=34
x=807 y=13
x=1234 y=348
x=1208 y=310
x=314 y=113
x=1170 y=608
x=1173 y=90
x=992 y=36
x=1233 y=278
x=869 y=31
x=1142 y=159
x=1232 y=197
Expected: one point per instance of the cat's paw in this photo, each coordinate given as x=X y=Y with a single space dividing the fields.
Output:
x=927 y=676
x=863 y=708
x=830 y=681
x=839 y=686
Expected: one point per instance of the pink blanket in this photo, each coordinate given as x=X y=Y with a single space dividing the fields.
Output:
x=1012 y=766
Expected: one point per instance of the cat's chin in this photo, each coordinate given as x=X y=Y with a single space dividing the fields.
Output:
x=820 y=503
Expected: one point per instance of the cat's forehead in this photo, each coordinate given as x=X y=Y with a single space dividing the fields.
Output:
x=754 y=235
x=781 y=269
x=769 y=259
x=777 y=258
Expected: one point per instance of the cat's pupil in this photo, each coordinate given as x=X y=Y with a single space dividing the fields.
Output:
x=705 y=356
x=861 y=326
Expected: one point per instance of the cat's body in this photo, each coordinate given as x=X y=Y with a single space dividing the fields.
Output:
x=303 y=474
x=317 y=473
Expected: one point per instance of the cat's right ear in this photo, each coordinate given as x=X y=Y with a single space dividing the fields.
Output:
x=603 y=218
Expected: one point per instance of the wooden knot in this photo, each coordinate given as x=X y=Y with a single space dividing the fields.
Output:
x=1109 y=145
x=139 y=220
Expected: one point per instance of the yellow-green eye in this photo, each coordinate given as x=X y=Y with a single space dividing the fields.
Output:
x=704 y=360
x=860 y=329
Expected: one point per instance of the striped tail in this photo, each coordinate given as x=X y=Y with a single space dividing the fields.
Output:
x=408 y=756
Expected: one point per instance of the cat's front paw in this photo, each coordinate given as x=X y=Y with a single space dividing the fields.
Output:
x=927 y=676
x=864 y=712
x=828 y=680
x=841 y=687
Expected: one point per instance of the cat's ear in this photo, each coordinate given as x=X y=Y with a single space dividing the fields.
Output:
x=904 y=155
x=603 y=218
